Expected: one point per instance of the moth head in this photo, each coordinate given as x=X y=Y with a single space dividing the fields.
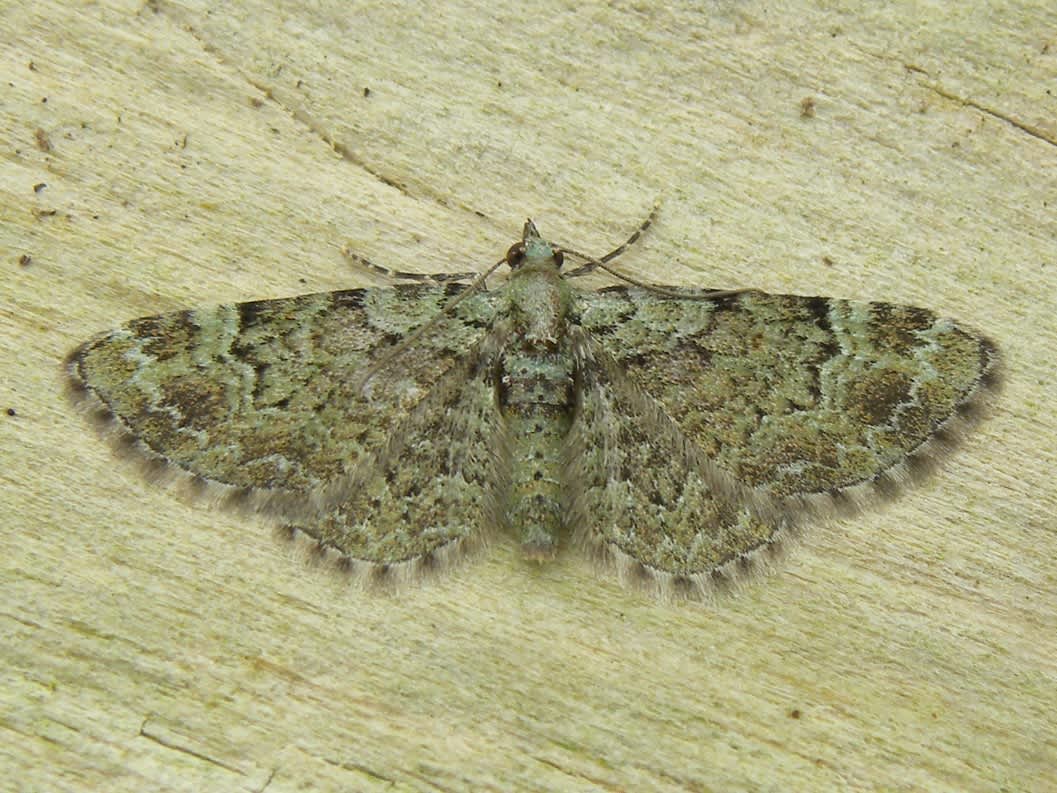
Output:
x=533 y=249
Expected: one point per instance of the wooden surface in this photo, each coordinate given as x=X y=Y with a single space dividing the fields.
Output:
x=196 y=154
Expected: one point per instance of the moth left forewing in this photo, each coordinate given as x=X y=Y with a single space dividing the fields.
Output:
x=257 y=404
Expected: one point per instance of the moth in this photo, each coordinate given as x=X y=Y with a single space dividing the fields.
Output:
x=676 y=435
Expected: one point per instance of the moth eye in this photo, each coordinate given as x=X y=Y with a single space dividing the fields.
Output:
x=516 y=255
x=559 y=259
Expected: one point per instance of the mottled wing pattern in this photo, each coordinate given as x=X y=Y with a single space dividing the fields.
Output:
x=373 y=421
x=809 y=401
x=264 y=402
x=433 y=490
x=645 y=502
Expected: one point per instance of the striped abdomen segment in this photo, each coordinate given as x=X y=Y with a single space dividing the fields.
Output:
x=536 y=398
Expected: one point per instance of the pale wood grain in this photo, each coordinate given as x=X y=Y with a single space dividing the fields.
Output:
x=149 y=645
